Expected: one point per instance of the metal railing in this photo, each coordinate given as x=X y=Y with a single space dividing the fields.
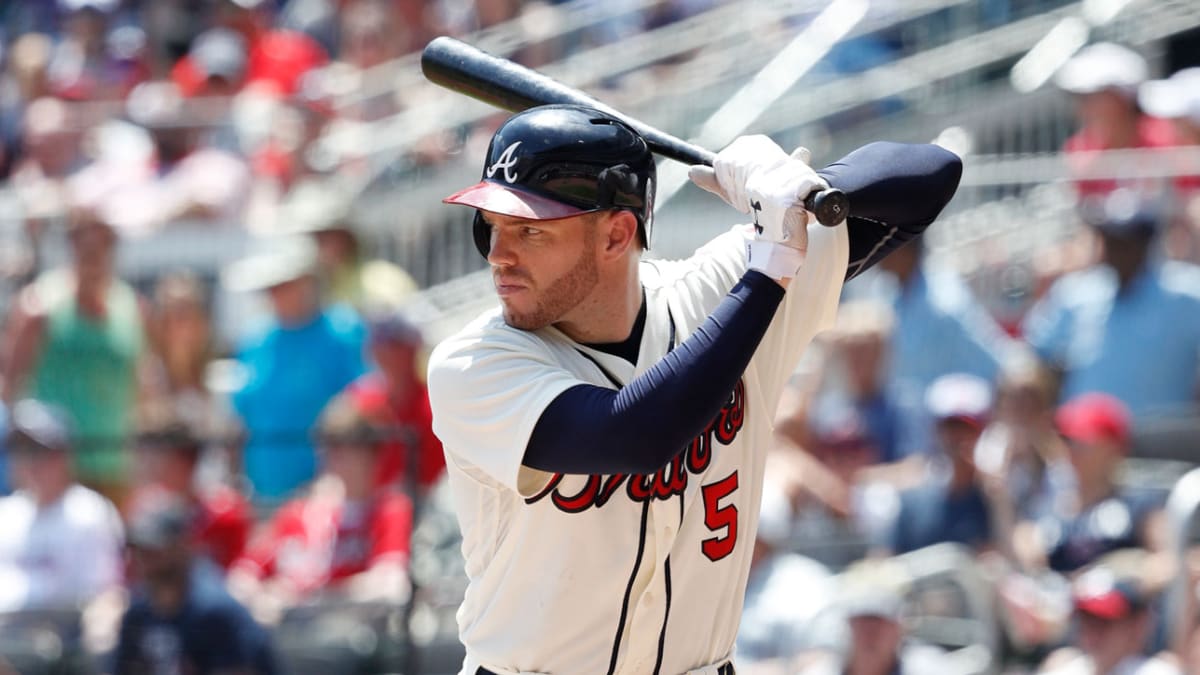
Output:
x=1183 y=516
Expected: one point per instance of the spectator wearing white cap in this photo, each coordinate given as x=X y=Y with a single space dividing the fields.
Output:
x=951 y=506
x=1113 y=609
x=1177 y=98
x=872 y=598
x=1104 y=79
x=323 y=210
x=60 y=544
x=304 y=356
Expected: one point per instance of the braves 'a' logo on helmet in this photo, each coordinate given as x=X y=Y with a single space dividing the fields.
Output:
x=507 y=161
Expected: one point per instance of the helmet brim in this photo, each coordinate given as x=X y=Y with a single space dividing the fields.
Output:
x=509 y=201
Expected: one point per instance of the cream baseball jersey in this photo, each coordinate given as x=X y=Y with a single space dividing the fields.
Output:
x=615 y=573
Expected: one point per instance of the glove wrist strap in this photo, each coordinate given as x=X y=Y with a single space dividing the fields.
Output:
x=773 y=259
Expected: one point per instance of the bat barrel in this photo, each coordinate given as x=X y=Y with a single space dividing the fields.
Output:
x=458 y=66
x=461 y=67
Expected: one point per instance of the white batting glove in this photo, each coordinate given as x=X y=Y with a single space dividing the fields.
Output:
x=755 y=175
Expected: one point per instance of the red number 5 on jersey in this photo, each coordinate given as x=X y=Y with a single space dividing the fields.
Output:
x=719 y=518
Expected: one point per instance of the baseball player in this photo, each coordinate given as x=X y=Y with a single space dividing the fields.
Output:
x=605 y=429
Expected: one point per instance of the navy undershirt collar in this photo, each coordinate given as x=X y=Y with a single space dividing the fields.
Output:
x=628 y=348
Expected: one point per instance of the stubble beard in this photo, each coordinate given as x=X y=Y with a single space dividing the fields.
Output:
x=561 y=296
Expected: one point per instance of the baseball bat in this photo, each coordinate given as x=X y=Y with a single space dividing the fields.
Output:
x=497 y=81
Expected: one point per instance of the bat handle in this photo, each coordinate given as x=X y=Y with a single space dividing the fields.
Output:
x=829 y=206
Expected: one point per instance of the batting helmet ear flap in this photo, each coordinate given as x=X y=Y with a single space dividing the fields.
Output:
x=482 y=232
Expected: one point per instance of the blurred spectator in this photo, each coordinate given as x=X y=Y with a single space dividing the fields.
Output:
x=169 y=451
x=785 y=593
x=90 y=62
x=1129 y=326
x=50 y=155
x=215 y=64
x=858 y=364
x=823 y=468
x=859 y=503
x=1177 y=98
x=186 y=178
x=370 y=36
x=872 y=598
x=181 y=333
x=304 y=356
x=22 y=82
x=1098 y=517
x=345 y=539
x=393 y=396
x=180 y=618
x=940 y=328
x=1103 y=516
x=323 y=210
x=77 y=341
x=1103 y=79
x=60 y=546
x=951 y=506
x=1020 y=457
x=1113 y=609
x=275 y=58
x=287 y=153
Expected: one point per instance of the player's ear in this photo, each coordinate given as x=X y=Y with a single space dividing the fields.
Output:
x=618 y=232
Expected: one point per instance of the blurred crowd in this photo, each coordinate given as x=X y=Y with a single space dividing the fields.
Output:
x=176 y=503
x=935 y=462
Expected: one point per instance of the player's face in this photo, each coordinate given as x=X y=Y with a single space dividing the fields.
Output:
x=542 y=269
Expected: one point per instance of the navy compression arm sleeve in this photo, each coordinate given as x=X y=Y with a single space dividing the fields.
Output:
x=896 y=190
x=639 y=428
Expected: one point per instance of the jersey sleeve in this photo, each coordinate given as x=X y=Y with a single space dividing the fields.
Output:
x=487 y=389
x=809 y=308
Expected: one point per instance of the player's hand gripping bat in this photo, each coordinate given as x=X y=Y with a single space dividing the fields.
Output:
x=456 y=65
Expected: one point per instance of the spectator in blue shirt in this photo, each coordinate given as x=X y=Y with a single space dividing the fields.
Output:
x=1129 y=326
x=180 y=618
x=951 y=507
x=940 y=328
x=305 y=356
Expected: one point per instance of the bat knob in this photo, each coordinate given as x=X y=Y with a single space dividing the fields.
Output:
x=829 y=206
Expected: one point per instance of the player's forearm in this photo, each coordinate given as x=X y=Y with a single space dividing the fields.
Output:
x=638 y=429
x=896 y=190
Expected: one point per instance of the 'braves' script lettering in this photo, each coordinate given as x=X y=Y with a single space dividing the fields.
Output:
x=665 y=483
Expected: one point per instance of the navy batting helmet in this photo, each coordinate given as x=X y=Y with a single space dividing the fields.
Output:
x=557 y=161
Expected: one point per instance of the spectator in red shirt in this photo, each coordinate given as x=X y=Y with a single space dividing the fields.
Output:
x=1104 y=80
x=394 y=396
x=215 y=64
x=345 y=540
x=276 y=57
x=168 y=454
